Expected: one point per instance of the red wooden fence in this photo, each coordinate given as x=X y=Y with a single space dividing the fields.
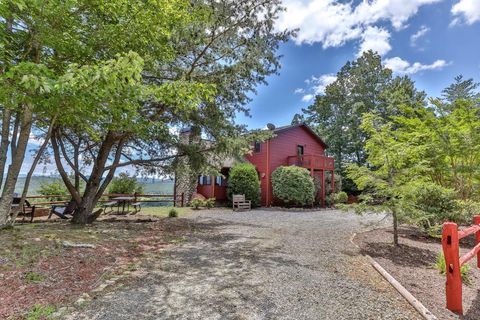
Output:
x=453 y=261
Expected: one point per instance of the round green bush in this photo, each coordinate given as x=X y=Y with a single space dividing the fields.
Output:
x=293 y=185
x=340 y=197
x=243 y=179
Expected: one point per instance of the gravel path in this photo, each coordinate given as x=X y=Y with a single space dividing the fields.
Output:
x=259 y=265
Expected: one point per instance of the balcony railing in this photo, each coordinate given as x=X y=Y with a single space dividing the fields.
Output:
x=311 y=161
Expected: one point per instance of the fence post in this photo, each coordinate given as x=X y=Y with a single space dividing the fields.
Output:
x=452 y=265
x=183 y=199
x=476 y=220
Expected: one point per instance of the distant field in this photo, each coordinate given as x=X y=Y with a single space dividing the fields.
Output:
x=150 y=185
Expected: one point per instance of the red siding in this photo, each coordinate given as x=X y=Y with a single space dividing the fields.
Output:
x=279 y=148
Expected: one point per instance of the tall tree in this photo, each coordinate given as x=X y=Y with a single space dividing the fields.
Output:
x=460 y=89
x=362 y=86
x=211 y=63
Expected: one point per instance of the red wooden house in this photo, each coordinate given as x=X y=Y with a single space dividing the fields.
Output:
x=291 y=145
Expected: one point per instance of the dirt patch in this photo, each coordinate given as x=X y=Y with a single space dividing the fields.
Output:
x=412 y=265
x=37 y=269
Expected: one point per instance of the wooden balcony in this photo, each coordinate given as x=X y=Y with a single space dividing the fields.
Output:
x=311 y=161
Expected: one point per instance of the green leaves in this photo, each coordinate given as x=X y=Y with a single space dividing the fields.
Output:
x=293 y=185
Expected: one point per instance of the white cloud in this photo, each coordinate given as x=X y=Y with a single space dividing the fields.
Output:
x=400 y=66
x=316 y=86
x=466 y=10
x=417 y=35
x=299 y=90
x=333 y=23
x=320 y=83
x=307 y=97
x=376 y=39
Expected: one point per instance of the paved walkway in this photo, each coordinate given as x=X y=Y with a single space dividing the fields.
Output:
x=259 y=265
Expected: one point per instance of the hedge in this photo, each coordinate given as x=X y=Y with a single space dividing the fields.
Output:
x=293 y=185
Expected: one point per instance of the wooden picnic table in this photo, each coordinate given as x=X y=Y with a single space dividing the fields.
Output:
x=123 y=201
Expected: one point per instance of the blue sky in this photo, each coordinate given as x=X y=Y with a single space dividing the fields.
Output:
x=432 y=41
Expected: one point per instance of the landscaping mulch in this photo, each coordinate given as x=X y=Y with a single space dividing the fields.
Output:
x=36 y=268
x=412 y=264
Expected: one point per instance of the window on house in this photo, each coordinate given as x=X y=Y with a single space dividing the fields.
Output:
x=257 y=146
x=218 y=180
x=204 y=180
x=300 y=150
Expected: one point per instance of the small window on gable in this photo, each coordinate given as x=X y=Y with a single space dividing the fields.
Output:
x=257 y=146
x=300 y=150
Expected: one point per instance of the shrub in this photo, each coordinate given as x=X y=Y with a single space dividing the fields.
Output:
x=209 y=203
x=442 y=268
x=465 y=210
x=56 y=187
x=124 y=184
x=173 y=213
x=196 y=203
x=429 y=204
x=243 y=179
x=293 y=185
x=340 y=197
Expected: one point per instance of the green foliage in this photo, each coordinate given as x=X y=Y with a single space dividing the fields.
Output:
x=125 y=184
x=39 y=312
x=243 y=179
x=429 y=204
x=340 y=197
x=440 y=265
x=209 y=203
x=33 y=277
x=173 y=213
x=293 y=185
x=391 y=166
x=54 y=188
x=196 y=203
x=361 y=86
x=465 y=211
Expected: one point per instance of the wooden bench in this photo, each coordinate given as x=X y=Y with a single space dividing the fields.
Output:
x=137 y=206
x=110 y=204
x=239 y=202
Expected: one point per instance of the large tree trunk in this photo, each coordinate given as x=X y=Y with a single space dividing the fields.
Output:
x=7 y=114
x=14 y=168
x=37 y=158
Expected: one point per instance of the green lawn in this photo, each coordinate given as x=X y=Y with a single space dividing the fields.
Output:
x=163 y=211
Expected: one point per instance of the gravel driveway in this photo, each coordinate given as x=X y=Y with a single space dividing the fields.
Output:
x=259 y=265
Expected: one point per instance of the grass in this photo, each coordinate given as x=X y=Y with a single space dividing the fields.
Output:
x=33 y=277
x=39 y=312
x=442 y=268
x=164 y=211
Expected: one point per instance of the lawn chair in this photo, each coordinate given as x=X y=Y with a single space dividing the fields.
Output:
x=239 y=202
x=27 y=209
x=64 y=211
